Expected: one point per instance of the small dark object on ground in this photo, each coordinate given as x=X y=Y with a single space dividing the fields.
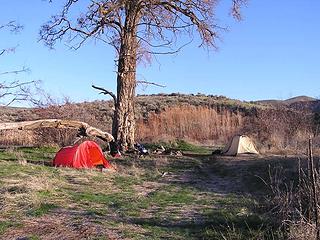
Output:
x=114 y=149
x=173 y=152
x=217 y=152
x=142 y=151
x=159 y=150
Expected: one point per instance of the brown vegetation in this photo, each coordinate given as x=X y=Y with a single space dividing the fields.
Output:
x=294 y=197
x=203 y=118
x=280 y=129
x=196 y=118
x=191 y=123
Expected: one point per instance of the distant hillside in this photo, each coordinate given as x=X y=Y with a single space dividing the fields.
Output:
x=300 y=103
x=313 y=106
x=299 y=99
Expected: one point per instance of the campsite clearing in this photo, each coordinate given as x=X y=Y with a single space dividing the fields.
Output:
x=240 y=144
x=198 y=197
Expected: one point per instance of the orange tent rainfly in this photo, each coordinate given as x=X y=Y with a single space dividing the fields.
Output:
x=86 y=155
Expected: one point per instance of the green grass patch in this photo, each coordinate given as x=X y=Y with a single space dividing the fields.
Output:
x=4 y=225
x=31 y=154
x=8 y=156
x=10 y=169
x=171 y=196
x=43 y=209
x=45 y=194
x=179 y=145
x=125 y=203
x=188 y=147
x=14 y=169
x=126 y=182
x=34 y=237
x=88 y=197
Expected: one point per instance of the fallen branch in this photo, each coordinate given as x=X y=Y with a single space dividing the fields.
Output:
x=84 y=129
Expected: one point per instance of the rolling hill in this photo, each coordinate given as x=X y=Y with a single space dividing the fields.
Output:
x=300 y=103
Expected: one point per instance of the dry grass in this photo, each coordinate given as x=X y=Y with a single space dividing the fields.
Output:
x=192 y=201
x=20 y=193
x=17 y=138
x=190 y=122
x=301 y=230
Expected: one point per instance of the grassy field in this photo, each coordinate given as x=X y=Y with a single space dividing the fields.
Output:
x=157 y=197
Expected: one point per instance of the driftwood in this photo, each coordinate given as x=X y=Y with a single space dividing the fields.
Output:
x=84 y=129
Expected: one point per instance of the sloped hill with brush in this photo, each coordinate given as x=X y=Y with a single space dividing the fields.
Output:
x=304 y=103
x=299 y=99
x=199 y=118
x=101 y=111
x=313 y=106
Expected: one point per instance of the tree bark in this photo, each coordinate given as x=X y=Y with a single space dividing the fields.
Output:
x=83 y=128
x=123 y=127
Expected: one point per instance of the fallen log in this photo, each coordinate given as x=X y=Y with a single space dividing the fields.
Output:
x=84 y=129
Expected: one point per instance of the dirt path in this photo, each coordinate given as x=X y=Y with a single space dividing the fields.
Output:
x=221 y=175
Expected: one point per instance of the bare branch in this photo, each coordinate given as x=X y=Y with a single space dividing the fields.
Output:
x=13 y=26
x=15 y=90
x=24 y=69
x=236 y=8
x=160 y=21
x=7 y=50
x=106 y=92
x=151 y=83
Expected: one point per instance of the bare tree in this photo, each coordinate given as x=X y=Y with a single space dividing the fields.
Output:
x=136 y=29
x=14 y=90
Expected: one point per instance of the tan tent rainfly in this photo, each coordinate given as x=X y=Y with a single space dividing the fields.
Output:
x=240 y=144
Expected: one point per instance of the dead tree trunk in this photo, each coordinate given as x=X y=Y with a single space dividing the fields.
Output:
x=84 y=129
x=123 y=127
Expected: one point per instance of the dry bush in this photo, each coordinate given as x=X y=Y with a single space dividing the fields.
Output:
x=38 y=138
x=55 y=137
x=301 y=231
x=274 y=130
x=291 y=200
x=17 y=138
x=190 y=122
x=279 y=130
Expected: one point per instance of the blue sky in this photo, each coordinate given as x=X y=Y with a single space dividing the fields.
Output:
x=272 y=54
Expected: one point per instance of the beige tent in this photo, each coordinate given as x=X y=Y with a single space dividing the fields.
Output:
x=240 y=144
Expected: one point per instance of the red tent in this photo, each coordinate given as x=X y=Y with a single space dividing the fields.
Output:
x=86 y=155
